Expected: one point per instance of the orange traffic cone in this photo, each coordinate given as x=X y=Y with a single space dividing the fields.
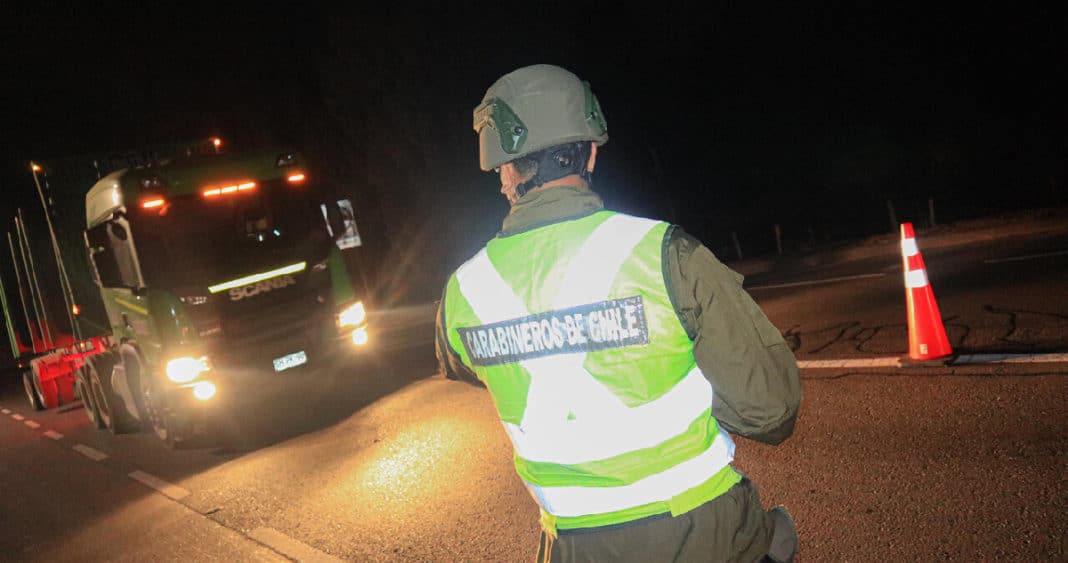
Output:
x=927 y=335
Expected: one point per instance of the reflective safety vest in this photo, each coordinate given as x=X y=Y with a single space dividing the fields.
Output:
x=572 y=329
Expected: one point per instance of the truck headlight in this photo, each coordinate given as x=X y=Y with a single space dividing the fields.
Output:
x=352 y=316
x=186 y=369
x=204 y=390
x=359 y=336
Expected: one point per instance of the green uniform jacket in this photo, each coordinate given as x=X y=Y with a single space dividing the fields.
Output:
x=751 y=368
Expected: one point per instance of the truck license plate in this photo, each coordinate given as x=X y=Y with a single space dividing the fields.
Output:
x=290 y=360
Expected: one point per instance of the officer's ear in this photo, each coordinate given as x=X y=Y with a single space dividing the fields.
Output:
x=593 y=158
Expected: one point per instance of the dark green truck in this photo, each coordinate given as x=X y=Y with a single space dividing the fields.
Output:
x=218 y=274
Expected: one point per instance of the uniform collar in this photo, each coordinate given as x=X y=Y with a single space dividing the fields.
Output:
x=551 y=205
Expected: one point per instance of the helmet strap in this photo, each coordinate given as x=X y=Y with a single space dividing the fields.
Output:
x=554 y=163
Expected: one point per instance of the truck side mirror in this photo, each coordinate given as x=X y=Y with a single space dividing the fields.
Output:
x=104 y=267
x=334 y=222
x=111 y=254
x=346 y=235
x=118 y=231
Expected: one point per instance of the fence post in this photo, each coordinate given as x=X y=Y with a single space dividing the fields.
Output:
x=930 y=210
x=737 y=246
x=893 y=216
x=778 y=238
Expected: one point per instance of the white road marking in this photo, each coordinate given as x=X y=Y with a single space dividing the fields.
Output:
x=1010 y=359
x=290 y=547
x=966 y=359
x=32 y=424
x=816 y=282
x=53 y=434
x=892 y=362
x=5 y=411
x=1025 y=257
x=18 y=417
x=93 y=454
x=173 y=491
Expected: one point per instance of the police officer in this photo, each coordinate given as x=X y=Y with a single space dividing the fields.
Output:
x=619 y=352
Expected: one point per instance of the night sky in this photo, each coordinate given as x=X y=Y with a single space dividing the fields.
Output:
x=729 y=118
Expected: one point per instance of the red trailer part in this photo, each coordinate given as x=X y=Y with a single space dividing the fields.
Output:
x=50 y=381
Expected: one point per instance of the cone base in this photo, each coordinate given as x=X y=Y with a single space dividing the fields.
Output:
x=927 y=333
x=928 y=363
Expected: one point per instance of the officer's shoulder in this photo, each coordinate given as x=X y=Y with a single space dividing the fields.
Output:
x=681 y=241
x=684 y=245
x=678 y=235
x=643 y=219
x=674 y=235
x=468 y=262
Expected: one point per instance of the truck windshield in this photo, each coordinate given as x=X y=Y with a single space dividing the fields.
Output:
x=199 y=241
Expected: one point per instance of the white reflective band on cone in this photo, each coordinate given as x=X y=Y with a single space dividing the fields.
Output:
x=915 y=279
x=909 y=248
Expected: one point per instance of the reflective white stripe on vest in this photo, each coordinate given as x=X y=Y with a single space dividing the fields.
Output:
x=595 y=266
x=580 y=501
x=614 y=431
x=487 y=292
x=555 y=392
x=602 y=426
x=916 y=279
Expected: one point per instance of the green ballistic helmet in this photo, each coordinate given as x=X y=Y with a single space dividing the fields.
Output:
x=533 y=108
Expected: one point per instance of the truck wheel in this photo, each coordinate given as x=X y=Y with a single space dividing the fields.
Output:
x=65 y=390
x=170 y=428
x=31 y=391
x=109 y=407
x=48 y=391
x=85 y=391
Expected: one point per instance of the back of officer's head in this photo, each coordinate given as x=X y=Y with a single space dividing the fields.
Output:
x=543 y=119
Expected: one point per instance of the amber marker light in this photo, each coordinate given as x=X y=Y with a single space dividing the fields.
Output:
x=151 y=203
x=75 y=309
x=35 y=167
x=241 y=187
x=296 y=178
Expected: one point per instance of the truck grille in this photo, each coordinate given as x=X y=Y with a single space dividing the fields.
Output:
x=281 y=323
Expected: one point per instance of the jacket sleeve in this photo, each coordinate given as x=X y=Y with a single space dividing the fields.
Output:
x=751 y=368
x=448 y=360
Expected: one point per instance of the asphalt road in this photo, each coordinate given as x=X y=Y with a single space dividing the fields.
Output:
x=1007 y=295
x=397 y=464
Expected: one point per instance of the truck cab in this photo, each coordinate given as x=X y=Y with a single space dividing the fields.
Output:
x=220 y=275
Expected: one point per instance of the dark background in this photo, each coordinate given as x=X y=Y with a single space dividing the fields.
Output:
x=723 y=118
